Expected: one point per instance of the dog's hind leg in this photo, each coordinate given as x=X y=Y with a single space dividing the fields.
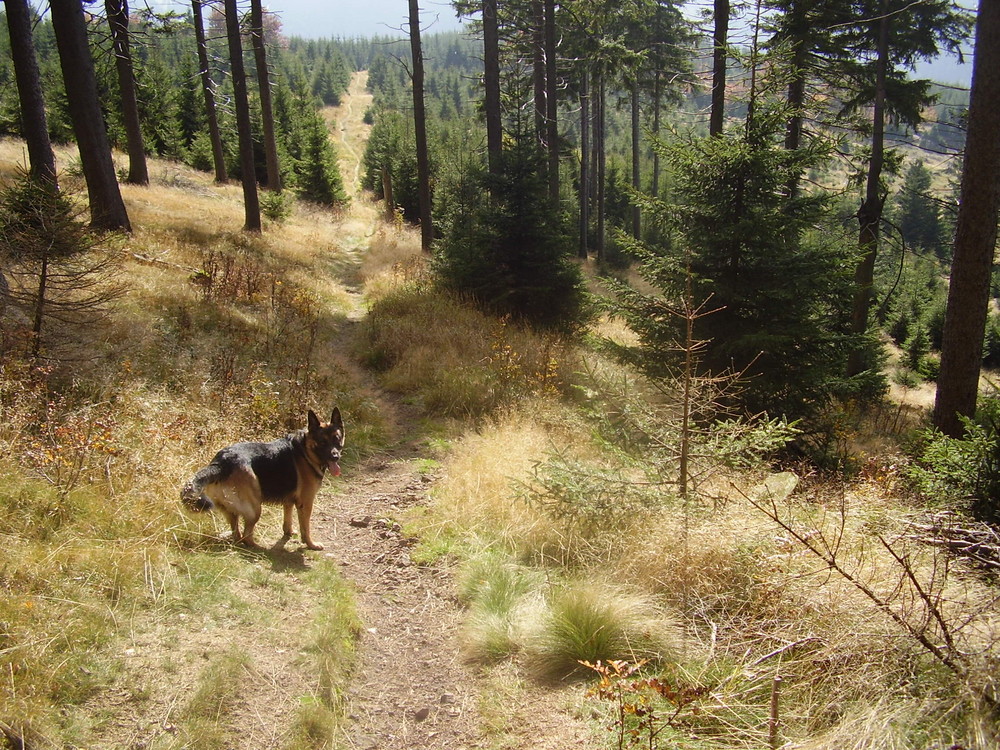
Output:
x=248 y=525
x=234 y=524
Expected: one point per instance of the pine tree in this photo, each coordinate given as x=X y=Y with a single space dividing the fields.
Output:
x=918 y=213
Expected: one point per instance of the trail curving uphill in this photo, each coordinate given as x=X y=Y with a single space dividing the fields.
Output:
x=409 y=687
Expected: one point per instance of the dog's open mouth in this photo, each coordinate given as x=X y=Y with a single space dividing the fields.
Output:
x=334 y=468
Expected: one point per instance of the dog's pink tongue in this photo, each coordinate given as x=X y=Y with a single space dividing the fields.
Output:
x=334 y=468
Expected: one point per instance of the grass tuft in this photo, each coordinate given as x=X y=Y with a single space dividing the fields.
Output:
x=588 y=621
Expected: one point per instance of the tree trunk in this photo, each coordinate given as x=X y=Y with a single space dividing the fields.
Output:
x=390 y=201
x=870 y=211
x=248 y=176
x=117 y=10
x=107 y=209
x=601 y=150
x=719 y=62
x=491 y=83
x=796 y=102
x=420 y=131
x=36 y=326
x=538 y=68
x=264 y=83
x=657 y=96
x=551 y=102
x=584 y=164
x=207 y=87
x=975 y=234
x=798 y=21
x=636 y=141
x=34 y=125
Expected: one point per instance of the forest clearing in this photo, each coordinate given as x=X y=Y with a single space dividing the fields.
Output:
x=626 y=499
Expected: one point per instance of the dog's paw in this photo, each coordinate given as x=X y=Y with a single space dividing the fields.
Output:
x=314 y=545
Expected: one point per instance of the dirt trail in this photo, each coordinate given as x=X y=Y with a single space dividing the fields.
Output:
x=410 y=688
x=240 y=662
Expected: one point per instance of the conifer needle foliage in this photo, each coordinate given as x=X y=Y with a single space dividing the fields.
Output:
x=766 y=262
x=505 y=246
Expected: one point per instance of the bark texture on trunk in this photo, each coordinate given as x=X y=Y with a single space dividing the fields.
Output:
x=719 y=63
x=117 y=11
x=491 y=83
x=420 y=131
x=248 y=176
x=264 y=83
x=34 y=123
x=975 y=234
x=107 y=209
x=870 y=212
x=208 y=91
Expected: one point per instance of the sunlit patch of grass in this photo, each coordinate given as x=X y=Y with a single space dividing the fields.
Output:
x=335 y=628
x=330 y=650
x=500 y=595
x=592 y=621
x=202 y=720
x=222 y=337
x=476 y=495
x=315 y=726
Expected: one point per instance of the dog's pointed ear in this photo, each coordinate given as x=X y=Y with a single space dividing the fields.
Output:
x=336 y=421
x=313 y=421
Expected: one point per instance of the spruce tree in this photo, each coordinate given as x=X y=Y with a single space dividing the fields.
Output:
x=504 y=246
x=748 y=251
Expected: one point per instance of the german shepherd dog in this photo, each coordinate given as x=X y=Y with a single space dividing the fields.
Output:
x=288 y=470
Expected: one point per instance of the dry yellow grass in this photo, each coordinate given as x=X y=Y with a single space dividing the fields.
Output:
x=476 y=495
x=96 y=549
x=754 y=603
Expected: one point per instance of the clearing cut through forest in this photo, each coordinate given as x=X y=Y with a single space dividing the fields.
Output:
x=410 y=687
x=245 y=666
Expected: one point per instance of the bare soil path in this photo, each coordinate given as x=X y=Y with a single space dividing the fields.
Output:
x=410 y=687
x=224 y=657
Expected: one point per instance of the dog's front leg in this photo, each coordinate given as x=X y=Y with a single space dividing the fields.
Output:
x=305 y=514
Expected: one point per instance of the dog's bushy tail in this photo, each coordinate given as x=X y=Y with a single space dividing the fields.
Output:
x=192 y=494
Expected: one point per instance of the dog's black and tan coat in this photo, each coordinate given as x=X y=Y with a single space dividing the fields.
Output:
x=244 y=476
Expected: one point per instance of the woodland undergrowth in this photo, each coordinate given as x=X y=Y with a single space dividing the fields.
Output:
x=753 y=609
x=741 y=608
